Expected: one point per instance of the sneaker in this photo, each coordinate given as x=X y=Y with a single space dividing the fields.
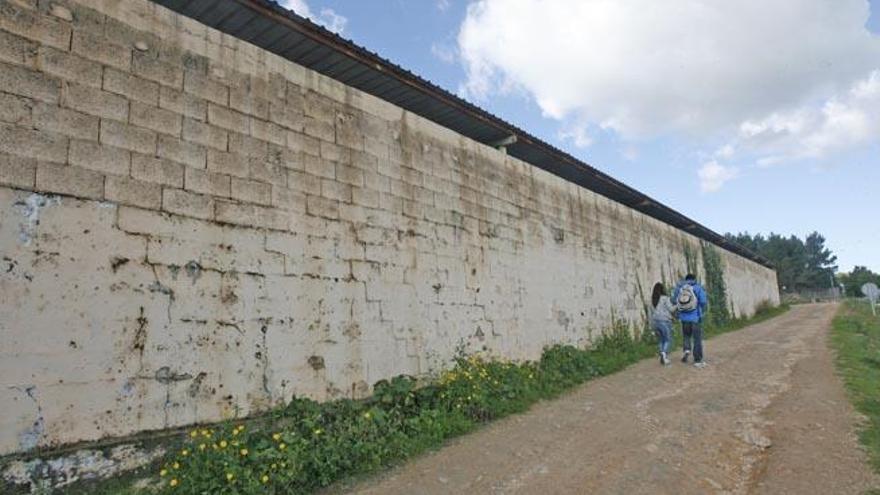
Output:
x=684 y=358
x=699 y=364
x=663 y=359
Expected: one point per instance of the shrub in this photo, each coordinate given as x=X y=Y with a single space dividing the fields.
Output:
x=306 y=445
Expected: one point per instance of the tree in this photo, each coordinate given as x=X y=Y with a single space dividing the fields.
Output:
x=854 y=280
x=800 y=264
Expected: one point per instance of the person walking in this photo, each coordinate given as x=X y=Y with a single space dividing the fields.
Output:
x=661 y=319
x=691 y=302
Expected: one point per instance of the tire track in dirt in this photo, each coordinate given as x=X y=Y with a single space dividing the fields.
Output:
x=745 y=424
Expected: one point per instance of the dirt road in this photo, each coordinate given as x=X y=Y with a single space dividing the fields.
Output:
x=767 y=415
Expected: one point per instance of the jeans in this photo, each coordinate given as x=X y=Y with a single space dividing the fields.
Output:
x=691 y=330
x=663 y=329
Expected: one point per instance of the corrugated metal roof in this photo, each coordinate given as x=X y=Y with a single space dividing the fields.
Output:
x=280 y=31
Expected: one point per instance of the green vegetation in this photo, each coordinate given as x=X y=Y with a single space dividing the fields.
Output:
x=306 y=445
x=854 y=280
x=719 y=312
x=801 y=264
x=856 y=337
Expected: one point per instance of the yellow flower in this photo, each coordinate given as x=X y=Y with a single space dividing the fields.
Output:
x=274 y=466
x=176 y=465
x=282 y=446
x=184 y=452
x=194 y=433
x=284 y=464
x=243 y=451
x=202 y=446
x=206 y=433
x=223 y=444
x=276 y=436
x=229 y=476
x=163 y=472
x=367 y=414
x=264 y=479
x=318 y=431
x=173 y=482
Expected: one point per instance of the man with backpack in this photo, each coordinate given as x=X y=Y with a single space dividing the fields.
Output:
x=691 y=300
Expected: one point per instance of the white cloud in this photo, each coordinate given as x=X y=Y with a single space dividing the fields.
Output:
x=577 y=135
x=443 y=52
x=746 y=72
x=443 y=5
x=840 y=122
x=327 y=17
x=713 y=175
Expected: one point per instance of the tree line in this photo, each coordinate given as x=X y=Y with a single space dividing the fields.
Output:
x=801 y=264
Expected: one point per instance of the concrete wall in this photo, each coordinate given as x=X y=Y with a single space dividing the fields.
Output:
x=193 y=229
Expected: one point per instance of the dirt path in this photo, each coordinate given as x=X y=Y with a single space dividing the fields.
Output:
x=766 y=416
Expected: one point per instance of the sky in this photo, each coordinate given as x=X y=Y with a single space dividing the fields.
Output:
x=754 y=115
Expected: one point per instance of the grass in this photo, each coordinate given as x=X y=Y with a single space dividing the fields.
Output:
x=306 y=445
x=856 y=338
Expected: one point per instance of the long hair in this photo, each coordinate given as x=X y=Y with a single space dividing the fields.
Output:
x=659 y=290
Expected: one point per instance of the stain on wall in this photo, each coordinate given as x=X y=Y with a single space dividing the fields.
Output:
x=192 y=229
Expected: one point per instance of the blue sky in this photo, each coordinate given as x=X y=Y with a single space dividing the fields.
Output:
x=777 y=130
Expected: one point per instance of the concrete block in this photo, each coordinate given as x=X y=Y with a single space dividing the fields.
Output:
x=63 y=121
x=228 y=163
x=70 y=180
x=156 y=119
x=15 y=110
x=300 y=142
x=98 y=48
x=188 y=204
x=287 y=116
x=145 y=65
x=26 y=82
x=204 y=134
x=288 y=199
x=268 y=131
x=319 y=129
x=17 y=171
x=252 y=215
x=96 y=102
x=204 y=87
x=132 y=87
x=93 y=156
x=183 y=103
x=133 y=192
x=365 y=197
x=322 y=207
x=34 y=25
x=157 y=170
x=269 y=169
x=30 y=143
x=251 y=191
x=207 y=182
x=128 y=137
x=247 y=145
x=176 y=150
x=319 y=167
x=303 y=182
x=336 y=190
x=349 y=175
x=70 y=67
x=221 y=116
x=245 y=101
x=17 y=50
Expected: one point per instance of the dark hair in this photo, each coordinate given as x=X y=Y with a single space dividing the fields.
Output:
x=690 y=276
x=659 y=290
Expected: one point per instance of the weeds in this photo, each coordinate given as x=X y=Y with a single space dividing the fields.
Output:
x=307 y=445
x=856 y=338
